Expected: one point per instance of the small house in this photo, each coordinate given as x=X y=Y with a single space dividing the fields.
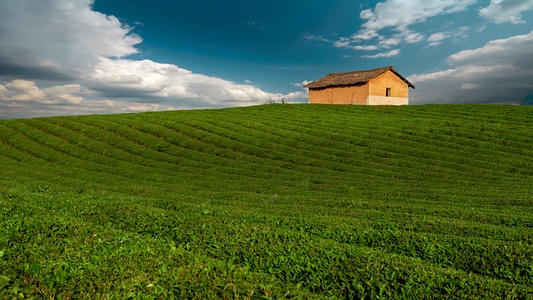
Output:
x=381 y=86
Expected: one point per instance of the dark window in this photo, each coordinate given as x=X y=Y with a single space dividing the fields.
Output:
x=388 y=92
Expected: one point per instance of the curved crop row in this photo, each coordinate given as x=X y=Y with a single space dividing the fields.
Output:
x=272 y=201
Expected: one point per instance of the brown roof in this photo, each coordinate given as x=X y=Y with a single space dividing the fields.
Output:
x=353 y=78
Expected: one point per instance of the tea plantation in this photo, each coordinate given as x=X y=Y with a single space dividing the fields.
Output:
x=269 y=202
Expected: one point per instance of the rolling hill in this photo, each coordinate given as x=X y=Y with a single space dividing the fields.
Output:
x=272 y=201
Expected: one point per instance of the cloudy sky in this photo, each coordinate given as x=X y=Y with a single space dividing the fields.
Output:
x=64 y=57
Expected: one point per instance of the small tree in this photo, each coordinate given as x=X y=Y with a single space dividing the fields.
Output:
x=271 y=100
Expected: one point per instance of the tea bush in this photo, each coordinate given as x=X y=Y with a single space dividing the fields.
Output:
x=272 y=201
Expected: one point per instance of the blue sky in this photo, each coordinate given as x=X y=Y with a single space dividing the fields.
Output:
x=65 y=57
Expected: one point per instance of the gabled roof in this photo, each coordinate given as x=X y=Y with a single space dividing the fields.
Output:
x=353 y=78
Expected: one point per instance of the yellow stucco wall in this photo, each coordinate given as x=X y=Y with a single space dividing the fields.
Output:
x=339 y=95
x=379 y=85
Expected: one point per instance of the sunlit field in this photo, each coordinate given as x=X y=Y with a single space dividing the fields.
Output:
x=267 y=202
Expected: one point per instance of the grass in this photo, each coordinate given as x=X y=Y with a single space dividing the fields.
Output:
x=272 y=201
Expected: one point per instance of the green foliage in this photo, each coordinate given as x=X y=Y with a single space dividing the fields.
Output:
x=267 y=202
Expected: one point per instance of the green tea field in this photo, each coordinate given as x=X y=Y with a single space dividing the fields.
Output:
x=269 y=202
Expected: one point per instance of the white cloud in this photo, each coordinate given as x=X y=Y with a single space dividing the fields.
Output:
x=345 y=43
x=142 y=107
x=21 y=90
x=121 y=77
x=501 y=11
x=20 y=109
x=500 y=71
x=255 y=24
x=384 y=54
x=319 y=38
x=437 y=38
x=411 y=37
x=388 y=42
x=402 y=13
x=364 y=35
x=398 y=15
x=59 y=36
x=83 y=55
x=515 y=49
x=301 y=84
x=70 y=93
x=416 y=78
x=461 y=33
x=365 y=47
x=470 y=86
x=27 y=91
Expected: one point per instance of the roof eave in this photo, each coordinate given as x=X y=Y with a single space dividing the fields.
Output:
x=402 y=78
x=333 y=85
x=319 y=85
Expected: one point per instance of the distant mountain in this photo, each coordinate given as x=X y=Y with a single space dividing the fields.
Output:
x=528 y=100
